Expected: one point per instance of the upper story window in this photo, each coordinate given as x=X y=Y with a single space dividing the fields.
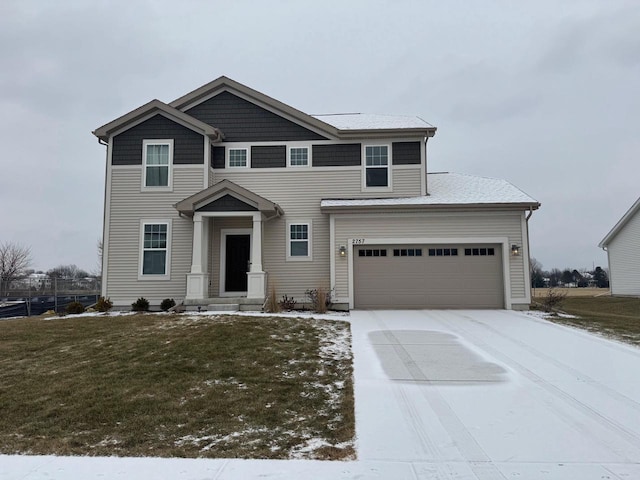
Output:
x=376 y=166
x=299 y=156
x=238 y=157
x=158 y=157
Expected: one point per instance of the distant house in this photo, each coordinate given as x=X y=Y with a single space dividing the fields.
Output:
x=226 y=194
x=622 y=245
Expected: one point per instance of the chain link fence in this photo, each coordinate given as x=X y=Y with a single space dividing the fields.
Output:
x=34 y=296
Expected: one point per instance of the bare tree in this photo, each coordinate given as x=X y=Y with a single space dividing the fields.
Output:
x=14 y=261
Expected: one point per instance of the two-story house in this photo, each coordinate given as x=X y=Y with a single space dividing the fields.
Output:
x=226 y=194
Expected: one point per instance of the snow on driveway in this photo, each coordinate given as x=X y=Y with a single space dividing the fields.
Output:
x=472 y=395
x=517 y=397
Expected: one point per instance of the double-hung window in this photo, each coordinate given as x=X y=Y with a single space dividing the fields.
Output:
x=299 y=241
x=299 y=156
x=155 y=248
x=376 y=166
x=238 y=157
x=157 y=163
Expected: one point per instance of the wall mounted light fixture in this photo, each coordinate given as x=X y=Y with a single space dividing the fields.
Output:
x=343 y=251
x=515 y=250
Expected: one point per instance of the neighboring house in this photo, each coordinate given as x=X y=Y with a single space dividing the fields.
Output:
x=226 y=194
x=622 y=245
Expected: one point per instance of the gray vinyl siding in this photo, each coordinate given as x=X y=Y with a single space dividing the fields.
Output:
x=188 y=146
x=435 y=225
x=243 y=121
x=299 y=194
x=227 y=203
x=128 y=206
x=406 y=153
x=337 y=155
x=624 y=259
x=267 y=156
x=218 y=157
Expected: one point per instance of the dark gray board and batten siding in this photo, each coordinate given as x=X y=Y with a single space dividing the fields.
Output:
x=243 y=121
x=188 y=146
x=268 y=156
x=337 y=155
x=406 y=153
x=227 y=203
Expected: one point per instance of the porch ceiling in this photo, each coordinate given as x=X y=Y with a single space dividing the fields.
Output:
x=189 y=205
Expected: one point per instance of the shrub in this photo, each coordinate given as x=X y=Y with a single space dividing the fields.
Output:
x=272 y=305
x=103 y=304
x=553 y=300
x=140 y=305
x=74 y=308
x=320 y=299
x=287 y=303
x=166 y=304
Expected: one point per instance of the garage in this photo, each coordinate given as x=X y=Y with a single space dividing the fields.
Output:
x=428 y=276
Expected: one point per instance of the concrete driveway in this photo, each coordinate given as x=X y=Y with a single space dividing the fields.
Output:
x=465 y=395
x=494 y=395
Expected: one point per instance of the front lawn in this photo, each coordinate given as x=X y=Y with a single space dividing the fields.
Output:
x=177 y=386
x=615 y=317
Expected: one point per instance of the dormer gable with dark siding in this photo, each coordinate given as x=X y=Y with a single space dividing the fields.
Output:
x=188 y=145
x=244 y=121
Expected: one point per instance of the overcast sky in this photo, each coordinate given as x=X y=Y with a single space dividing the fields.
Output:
x=545 y=94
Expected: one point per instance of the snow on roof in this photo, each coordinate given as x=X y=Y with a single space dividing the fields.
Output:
x=450 y=189
x=367 y=121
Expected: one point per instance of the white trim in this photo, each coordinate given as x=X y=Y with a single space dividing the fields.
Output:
x=332 y=251
x=309 y=224
x=423 y=167
x=389 y=187
x=167 y=274
x=163 y=188
x=227 y=158
x=285 y=170
x=525 y=259
x=106 y=220
x=207 y=162
x=221 y=194
x=503 y=241
x=223 y=256
x=299 y=147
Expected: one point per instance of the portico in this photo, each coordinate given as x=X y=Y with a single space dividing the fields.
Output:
x=240 y=264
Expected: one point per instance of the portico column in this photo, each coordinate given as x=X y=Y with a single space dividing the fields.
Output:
x=256 y=278
x=256 y=254
x=198 y=278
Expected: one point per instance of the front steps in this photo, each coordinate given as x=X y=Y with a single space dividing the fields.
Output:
x=225 y=304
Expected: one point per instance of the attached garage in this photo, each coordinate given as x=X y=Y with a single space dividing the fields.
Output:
x=428 y=276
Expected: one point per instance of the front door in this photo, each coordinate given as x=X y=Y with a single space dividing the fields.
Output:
x=238 y=251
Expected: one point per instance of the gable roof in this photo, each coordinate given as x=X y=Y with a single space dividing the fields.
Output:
x=188 y=205
x=620 y=225
x=450 y=190
x=222 y=84
x=105 y=131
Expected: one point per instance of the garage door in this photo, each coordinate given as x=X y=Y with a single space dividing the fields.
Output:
x=428 y=276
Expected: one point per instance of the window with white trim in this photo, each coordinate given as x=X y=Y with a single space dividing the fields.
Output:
x=154 y=248
x=299 y=156
x=157 y=162
x=299 y=241
x=376 y=166
x=238 y=157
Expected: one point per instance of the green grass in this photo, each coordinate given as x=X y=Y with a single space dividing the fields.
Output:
x=176 y=386
x=615 y=317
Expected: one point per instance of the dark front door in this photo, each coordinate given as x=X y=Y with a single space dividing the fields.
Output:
x=237 y=263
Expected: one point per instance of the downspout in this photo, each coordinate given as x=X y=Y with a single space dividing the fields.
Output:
x=529 y=248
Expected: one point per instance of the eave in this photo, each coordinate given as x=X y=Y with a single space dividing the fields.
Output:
x=620 y=225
